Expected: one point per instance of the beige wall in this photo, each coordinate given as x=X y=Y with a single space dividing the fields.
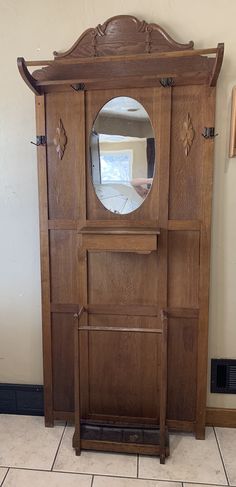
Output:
x=34 y=30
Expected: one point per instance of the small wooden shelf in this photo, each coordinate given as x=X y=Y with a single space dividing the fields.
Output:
x=119 y=230
x=119 y=239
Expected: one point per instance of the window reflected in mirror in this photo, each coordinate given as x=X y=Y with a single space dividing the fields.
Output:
x=122 y=150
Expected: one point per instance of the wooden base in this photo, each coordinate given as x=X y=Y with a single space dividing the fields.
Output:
x=120 y=440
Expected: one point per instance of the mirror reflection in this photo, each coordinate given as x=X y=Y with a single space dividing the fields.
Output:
x=122 y=149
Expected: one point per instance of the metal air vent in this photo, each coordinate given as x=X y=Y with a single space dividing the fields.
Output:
x=223 y=376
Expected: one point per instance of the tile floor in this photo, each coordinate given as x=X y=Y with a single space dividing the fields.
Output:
x=34 y=456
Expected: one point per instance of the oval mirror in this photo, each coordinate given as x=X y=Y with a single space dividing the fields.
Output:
x=122 y=149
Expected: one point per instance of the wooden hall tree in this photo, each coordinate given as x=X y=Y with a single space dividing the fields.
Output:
x=113 y=274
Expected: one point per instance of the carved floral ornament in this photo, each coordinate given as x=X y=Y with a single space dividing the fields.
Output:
x=60 y=140
x=187 y=134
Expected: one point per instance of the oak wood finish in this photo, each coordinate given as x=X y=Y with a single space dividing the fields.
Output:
x=184 y=426
x=100 y=386
x=147 y=48
x=64 y=174
x=26 y=76
x=204 y=270
x=63 y=373
x=124 y=269
x=182 y=351
x=45 y=262
x=131 y=57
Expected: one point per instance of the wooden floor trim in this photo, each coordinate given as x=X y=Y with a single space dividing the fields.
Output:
x=222 y=417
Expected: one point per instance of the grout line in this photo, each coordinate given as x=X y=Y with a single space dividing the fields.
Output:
x=204 y=483
x=109 y=476
x=221 y=456
x=137 y=465
x=184 y=482
x=49 y=470
x=92 y=480
x=53 y=463
x=4 y=478
x=103 y=475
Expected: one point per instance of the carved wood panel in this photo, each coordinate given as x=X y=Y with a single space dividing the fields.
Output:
x=60 y=139
x=187 y=134
x=187 y=146
x=64 y=132
x=120 y=35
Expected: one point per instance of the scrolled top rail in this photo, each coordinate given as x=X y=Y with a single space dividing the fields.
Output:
x=127 y=50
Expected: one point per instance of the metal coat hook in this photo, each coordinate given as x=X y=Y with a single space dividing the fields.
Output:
x=167 y=82
x=40 y=140
x=209 y=133
x=78 y=87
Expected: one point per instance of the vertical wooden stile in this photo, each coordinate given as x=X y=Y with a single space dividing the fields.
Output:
x=77 y=434
x=164 y=162
x=81 y=162
x=204 y=280
x=163 y=167
x=45 y=270
x=163 y=389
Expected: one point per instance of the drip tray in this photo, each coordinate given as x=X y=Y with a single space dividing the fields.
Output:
x=121 y=439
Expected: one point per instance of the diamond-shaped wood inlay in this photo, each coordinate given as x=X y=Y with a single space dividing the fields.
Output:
x=60 y=140
x=187 y=134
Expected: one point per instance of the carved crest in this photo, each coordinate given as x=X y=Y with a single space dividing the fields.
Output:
x=187 y=134
x=121 y=35
x=60 y=140
x=152 y=54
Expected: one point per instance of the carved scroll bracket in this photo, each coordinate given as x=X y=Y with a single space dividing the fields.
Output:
x=60 y=140
x=187 y=134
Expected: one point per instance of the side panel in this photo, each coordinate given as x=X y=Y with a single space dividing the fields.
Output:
x=45 y=263
x=205 y=249
x=183 y=262
x=182 y=369
x=187 y=146
x=62 y=354
x=64 y=267
x=63 y=125
x=189 y=252
x=64 y=186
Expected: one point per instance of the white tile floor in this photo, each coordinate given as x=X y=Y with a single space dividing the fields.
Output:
x=34 y=456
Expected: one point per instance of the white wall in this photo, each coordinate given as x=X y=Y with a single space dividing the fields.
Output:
x=34 y=30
